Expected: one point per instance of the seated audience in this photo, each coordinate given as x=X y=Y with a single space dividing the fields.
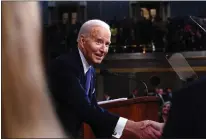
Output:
x=134 y=94
x=159 y=93
x=167 y=95
x=107 y=97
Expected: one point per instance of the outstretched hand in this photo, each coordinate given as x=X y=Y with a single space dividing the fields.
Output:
x=142 y=130
x=156 y=125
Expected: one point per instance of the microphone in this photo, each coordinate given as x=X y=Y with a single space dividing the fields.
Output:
x=105 y=72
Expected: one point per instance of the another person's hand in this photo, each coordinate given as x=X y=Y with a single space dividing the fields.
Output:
x=141 y=130
x=158 y=126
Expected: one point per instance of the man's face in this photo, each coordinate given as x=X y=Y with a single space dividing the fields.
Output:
x=106 y=96
x=135 y=92
x=95 y=46
x=169 y=90
x=161 y=91
x=156 y=90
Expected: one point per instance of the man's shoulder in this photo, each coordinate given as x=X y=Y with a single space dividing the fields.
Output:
x=69 y=58
x=67 y=62
x=62 y=60
x=197 y=85
x=194 y=89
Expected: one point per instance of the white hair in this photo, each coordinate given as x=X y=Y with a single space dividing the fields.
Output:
x=168 y=102
x=87 y=26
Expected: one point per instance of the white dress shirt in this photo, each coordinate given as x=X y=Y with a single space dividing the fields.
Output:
x=122 y=121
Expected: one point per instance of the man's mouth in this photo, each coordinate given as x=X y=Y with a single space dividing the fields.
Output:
x=99 y=55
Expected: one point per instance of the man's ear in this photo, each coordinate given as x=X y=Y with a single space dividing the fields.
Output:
x=82 y=40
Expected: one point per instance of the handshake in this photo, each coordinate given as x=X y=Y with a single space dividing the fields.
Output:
x=142 y=130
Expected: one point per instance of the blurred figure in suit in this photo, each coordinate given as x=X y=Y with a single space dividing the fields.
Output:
x=187 y=119
x=107 y=97
x=159 y=92
x=26 y=108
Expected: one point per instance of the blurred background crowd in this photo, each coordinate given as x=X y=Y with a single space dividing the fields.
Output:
x=131 y=35
x=147 y=31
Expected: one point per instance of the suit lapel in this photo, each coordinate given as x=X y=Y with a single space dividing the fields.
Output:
x=77 y=63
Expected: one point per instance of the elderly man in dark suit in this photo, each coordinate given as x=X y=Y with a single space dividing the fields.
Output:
x=72 y=82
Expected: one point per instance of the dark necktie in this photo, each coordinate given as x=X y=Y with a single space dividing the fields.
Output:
x=88 y=81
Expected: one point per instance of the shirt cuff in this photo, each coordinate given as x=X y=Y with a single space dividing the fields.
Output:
x=119 y=127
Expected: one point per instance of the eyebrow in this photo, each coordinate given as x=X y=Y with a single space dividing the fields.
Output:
x=109 y=42
x=100 y=38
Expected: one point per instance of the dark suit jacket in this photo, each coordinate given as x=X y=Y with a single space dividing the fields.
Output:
x=67 y=83
x=187 y=117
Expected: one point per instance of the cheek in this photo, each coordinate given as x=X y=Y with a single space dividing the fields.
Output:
x=106 y=50
x=91 y=49
x=95 y=48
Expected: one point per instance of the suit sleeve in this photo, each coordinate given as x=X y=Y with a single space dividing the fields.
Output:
x=73 y=94
x=180 y=120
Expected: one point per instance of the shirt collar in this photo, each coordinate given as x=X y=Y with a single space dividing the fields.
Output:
x=85 y=64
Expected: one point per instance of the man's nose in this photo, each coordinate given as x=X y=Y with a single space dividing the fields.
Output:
x=103 y=48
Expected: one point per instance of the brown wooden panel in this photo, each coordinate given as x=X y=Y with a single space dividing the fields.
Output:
x=138 y=109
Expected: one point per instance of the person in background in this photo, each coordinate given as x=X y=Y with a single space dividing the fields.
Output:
x=167 y=96
x=107 y=97
x=187 y=116
x=134 y=93
x=156 y=90
x=159 y=92
x=169 y=91
x=27 y=110
x=165 y=111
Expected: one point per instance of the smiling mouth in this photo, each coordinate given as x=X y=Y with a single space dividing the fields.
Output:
x=100 y=56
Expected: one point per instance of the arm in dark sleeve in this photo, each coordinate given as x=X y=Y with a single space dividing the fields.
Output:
x=177 y=125
x=73 y=94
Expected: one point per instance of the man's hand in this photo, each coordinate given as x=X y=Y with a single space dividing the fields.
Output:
x=141 y=130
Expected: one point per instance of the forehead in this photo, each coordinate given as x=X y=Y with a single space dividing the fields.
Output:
x=100 y=32
x=166 y=105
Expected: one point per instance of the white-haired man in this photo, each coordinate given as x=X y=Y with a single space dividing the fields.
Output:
x=73 y=88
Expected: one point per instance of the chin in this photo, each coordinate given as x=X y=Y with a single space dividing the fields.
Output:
x=97 y=61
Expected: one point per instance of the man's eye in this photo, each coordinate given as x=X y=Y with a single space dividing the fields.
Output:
x=99 y=41
x=107 y=45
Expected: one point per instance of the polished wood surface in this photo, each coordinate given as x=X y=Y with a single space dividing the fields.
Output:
x=138 y=109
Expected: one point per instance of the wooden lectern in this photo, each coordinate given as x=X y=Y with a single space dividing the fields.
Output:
x=137 y=109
